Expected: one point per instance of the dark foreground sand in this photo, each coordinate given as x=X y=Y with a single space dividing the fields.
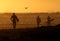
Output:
x=41 y=33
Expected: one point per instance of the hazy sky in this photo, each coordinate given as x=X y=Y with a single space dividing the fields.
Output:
x=33 y=5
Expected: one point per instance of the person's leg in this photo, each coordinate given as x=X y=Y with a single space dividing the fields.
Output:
x=37 y=24
x=14 y=25
x=48 y=24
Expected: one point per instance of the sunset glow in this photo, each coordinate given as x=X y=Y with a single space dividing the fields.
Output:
x=32 y=5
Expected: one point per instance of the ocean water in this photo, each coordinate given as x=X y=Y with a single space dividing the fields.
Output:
x=10 y=26
x=27 y=20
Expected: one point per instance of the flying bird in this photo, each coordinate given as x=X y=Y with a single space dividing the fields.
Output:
x=26 y=7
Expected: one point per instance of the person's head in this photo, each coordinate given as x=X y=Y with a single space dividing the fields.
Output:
x=13 y=13
x=48 y=16
x=38 y=16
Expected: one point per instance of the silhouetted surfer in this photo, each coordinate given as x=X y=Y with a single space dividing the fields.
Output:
x=14 y=19
x=49 y=20
x=38 y=21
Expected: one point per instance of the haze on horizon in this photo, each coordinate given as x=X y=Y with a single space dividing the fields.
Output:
x=32 y=6
x=22 y=6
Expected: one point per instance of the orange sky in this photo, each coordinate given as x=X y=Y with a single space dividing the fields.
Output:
x=33 y=5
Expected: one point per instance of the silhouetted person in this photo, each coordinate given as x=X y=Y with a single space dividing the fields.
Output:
x=38 y=21
x=14 y=19
x=49 y=20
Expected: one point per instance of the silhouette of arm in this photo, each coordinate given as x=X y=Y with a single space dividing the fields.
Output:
x=11 y=18
x=17 y=19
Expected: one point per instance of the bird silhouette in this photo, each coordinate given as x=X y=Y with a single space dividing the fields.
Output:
x=26 y=7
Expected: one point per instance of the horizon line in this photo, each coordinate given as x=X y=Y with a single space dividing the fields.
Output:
x=25 y=12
